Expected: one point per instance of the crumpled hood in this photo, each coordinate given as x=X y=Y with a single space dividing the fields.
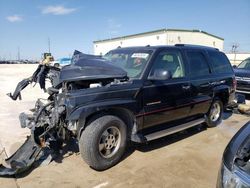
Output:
x=89 y=67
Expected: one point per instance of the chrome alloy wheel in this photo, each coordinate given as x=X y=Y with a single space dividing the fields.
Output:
x=109 y=142
x=215 y=112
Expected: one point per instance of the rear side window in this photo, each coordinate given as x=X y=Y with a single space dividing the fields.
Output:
x=198 y=64
x=220 y=62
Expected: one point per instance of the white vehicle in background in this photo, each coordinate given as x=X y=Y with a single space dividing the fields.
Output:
x=61 y=62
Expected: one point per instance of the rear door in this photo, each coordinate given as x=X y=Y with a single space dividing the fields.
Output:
x=167 y=100
x=201 y=81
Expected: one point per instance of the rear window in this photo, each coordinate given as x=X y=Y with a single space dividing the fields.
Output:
x=220 y=62
x=198 y=64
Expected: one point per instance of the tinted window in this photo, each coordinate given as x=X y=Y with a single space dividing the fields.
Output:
x=220 y=62
x=171 y=61
x=198 y=64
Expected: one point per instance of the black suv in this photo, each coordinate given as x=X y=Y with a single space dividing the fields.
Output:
x=132 y=94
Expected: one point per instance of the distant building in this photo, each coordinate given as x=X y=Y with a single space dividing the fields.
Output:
x=160 y=37
x=237 y=58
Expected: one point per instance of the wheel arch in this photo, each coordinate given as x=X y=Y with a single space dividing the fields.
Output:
x=223 y=94
x=124 y=114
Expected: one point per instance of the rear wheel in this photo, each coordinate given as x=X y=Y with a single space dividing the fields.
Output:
x=214 y=115
x=103 y=142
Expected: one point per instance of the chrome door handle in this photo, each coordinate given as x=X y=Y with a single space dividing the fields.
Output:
x=185 y=87
x=212 y=83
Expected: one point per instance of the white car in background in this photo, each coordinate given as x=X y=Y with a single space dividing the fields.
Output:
x=61 y=62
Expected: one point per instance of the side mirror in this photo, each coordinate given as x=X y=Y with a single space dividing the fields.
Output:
x=234 y=66
x=160 y=74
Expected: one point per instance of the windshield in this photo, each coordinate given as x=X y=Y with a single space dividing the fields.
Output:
x=245 y=64
x=132 y=61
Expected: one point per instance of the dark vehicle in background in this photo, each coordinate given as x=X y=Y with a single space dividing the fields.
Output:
x=133 y=94
x=242 y=75
x=235 y=167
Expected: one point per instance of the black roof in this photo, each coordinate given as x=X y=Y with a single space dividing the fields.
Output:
x=179 y=46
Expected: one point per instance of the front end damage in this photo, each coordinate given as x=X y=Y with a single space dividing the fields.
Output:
x=47 y=125
x=22 y=159
x=48 y=119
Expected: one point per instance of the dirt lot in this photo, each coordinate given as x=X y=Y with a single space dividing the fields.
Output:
x=187 y=159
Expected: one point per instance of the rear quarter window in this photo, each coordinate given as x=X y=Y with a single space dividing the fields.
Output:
x=220 y=63
x=198 y=64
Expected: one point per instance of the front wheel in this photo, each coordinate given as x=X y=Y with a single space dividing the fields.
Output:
x=214 y=114
x=103 y=142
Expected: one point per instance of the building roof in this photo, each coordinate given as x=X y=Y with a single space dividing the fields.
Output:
x=158 y=31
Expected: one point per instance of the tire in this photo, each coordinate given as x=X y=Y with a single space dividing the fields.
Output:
x=214 y=114
x=103 y=142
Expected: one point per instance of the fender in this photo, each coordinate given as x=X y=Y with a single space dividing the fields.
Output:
x=221 y=89
x=223 y=92
x=85 y=111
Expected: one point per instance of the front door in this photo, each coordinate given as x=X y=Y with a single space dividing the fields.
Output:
x=166 y=100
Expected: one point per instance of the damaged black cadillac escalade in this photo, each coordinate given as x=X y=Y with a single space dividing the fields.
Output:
x=133 y=94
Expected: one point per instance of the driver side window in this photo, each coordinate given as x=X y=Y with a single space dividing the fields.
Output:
x=170 y=61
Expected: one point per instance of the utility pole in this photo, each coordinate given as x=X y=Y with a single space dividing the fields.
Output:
x=49 y=44
x=18 y=53
x=234 y=50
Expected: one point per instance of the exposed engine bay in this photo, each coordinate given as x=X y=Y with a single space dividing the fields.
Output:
x=48 y=119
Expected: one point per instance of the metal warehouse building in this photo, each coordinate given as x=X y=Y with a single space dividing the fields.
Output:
x=160 y=37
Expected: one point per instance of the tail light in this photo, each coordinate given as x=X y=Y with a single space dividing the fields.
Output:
x=234 y=83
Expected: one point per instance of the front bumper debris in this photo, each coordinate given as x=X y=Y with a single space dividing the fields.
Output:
x=22 y=159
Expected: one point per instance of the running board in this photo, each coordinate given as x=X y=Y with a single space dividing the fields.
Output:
x=175 y=129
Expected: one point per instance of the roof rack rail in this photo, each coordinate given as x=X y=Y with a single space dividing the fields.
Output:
x=197 y=45
x=179 y=44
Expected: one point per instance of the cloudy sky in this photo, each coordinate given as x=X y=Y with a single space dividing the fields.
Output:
x=75 y=24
